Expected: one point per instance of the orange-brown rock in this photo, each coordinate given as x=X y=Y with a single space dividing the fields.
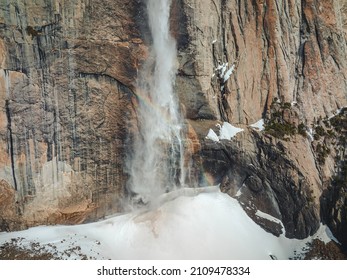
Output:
x=67 y=76
x=194 y=145
x=291 y=50
x=7 y=206
x=68 y=98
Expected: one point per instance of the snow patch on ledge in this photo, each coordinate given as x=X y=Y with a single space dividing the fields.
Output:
x=293 y=103
x=221 y=69
x=268 y=217
x=223 y=72
x=212 y=136
x=228 y=73
x=310 y=134
x=259 y=125
x=226 y=131
x=239 y=192
x=337 y=112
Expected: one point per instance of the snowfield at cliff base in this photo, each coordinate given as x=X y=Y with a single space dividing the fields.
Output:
x=203 y=224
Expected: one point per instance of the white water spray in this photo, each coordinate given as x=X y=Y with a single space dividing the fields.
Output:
x=157 y=165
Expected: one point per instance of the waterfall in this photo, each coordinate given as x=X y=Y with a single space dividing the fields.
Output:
x=157 y=163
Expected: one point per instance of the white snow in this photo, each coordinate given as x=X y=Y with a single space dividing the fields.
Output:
x=324 y=234
x=259 y=125
x=189 y=225
x=239 y=192
x=222 y=68
x=223 y=73
x=269 y=217
x=228 y=73
x=212 y=136
x=228 y=131
x=310 y=134
x=337 y=112
x=293 y=103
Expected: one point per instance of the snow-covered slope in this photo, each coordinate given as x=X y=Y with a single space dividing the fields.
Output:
x=204 y=224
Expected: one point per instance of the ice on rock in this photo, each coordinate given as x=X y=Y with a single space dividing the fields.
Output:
x=259 y=125
x=226 y=132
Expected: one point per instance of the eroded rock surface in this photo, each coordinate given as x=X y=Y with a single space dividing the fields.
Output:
x=68 y=72
x=68 y=96
x=291 y=50
x=288 y=61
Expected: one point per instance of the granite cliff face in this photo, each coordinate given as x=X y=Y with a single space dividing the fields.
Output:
x=68 y=91
x=68 y=71
x=289 y=68
x=290 y=50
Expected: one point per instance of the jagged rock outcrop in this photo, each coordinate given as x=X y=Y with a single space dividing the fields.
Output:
x=334 y=198
x=265 y=174
x=68 y=90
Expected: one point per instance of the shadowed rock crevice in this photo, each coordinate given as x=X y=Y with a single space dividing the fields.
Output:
x=10 y=142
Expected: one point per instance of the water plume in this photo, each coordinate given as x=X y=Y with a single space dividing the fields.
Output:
x=157 y=163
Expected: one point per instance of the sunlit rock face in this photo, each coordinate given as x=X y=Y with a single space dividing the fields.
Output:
x=291 y=50
x=289 y=67
x=68 y=72
x=69 y=93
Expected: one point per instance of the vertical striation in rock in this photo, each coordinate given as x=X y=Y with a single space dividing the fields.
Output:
x=290 y=50
x=68 y=72
x=287 y=61
x=67 y=75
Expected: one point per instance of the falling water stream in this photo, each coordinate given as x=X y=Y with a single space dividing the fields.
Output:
x=157 y=164
x=209 y=225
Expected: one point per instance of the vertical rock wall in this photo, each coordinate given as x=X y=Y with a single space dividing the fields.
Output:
x=67 y=96
x=67 y=75
x=292 y=50
x=289 y=63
